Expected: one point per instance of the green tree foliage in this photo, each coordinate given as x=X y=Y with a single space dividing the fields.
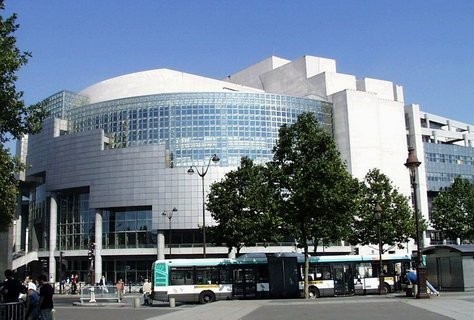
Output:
x=453 y=210
x=241 y=205
x=318 y=195
x=15 y=118
x=8 y=188
x=396 y=221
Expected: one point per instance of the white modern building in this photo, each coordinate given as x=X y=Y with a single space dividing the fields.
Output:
x=112 y=160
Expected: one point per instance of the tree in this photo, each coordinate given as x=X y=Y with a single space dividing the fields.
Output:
x=316 y=191
x=241 y=205
x=453 y=210
x=15 y=118
x=396 y=222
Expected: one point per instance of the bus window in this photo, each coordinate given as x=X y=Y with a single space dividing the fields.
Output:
x=204 y=275
x=181 y=276
x=325 y=272
x=212 y=275
x=398 y=268
x=364 y=270
x=318 y=272
x=386 y=269
x=225 y=275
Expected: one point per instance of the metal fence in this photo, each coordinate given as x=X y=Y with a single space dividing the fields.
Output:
x=67 y=288
x=12 y=311
x=99 y=293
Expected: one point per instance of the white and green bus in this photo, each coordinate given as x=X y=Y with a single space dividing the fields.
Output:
x=207 y=280
x=280 y=275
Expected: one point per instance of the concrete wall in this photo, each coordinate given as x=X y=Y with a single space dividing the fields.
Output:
x=155 y=82
x=133 y=176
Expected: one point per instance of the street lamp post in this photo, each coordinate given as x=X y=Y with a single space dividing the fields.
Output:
x=378 y=215
x=169 y=215
x=412 y=164
x=91 y=255
x=214 y=158
x=61 y=271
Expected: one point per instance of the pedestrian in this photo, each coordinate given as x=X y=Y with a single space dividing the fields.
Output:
x=32 y=302
x=103 y=284
x=120 y=289
x=12 y=288
x=46 y=298
x=146 y=292
x=25 y=286
x=74 y=283
x=411 y=276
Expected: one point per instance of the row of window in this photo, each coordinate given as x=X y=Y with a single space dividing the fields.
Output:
x=447 y=177
x=449 y=158
x=196 y=275
x=179 y=119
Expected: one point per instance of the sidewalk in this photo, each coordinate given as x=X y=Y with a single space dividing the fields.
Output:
x=225 y=310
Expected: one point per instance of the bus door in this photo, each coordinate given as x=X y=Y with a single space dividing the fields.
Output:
x=244 y=282
x=343 y=279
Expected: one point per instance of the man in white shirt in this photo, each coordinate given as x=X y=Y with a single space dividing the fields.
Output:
x=146 y=293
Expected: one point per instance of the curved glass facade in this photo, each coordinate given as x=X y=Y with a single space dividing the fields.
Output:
x=190 y=126
x=194 y=126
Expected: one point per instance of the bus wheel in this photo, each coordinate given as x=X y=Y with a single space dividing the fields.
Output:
x=386 y=288
x=206 y=297
x=314 y=293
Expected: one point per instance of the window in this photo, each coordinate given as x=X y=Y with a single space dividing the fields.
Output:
x=181 y=276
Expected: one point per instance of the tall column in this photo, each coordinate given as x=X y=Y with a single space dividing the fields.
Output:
x=27 y=235
x=98 y=246
x=160 y=245
x=470 y=143
x=435 y=136
x=17 y=223
x=53 y=221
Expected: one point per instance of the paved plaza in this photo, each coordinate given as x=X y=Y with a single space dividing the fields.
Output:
x=459 y=306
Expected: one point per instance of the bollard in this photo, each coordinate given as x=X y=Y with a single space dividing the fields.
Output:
x=136 y=303
x=172 y=303
x=92 y=295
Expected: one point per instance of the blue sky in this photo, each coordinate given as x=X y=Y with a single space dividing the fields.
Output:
x=425 y=46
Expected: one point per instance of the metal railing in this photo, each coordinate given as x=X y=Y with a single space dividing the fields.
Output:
x=96 y=293
x=12 y=311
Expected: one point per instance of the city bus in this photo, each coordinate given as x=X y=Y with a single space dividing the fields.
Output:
x=259 y=275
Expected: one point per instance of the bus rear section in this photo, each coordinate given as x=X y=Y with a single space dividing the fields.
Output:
x=353 y=274
x=369 y=272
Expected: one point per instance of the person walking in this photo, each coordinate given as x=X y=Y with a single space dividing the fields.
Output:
x=10 y=291
x=103 y=284
x=146 y=292
x=32 y=302
x=74 y=283
x=46 y=298
x=120 y=289
x=11 y=288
